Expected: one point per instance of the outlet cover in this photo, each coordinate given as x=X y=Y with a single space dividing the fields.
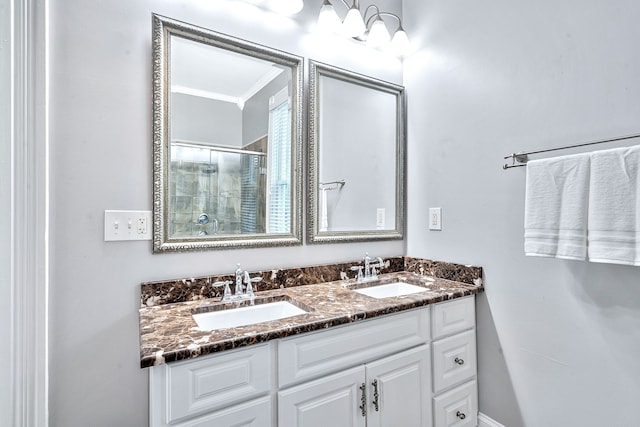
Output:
x=435 y=219
x=127 y=225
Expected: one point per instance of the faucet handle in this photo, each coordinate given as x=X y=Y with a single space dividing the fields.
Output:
x=357 y=268
x=249 y=280
x=227 y=290
x=379 y=264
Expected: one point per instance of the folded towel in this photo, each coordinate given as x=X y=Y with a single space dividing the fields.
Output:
x=555 y=219
x=614 y=206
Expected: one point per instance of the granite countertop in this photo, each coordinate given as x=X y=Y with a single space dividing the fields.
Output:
x=168 y=332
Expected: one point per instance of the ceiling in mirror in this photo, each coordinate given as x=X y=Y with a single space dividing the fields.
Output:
x=227 y=141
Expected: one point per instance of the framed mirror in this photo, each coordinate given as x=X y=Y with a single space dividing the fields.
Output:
x=356 y=164
x=227 y=140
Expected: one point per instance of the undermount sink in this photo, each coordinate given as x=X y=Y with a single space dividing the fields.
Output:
x=247 y=315
x=387 y=290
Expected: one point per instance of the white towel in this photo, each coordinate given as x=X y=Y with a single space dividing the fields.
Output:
x=614 y=206
x=556 y=199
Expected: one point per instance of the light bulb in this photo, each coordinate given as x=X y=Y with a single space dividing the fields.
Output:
x=378 y=35
x=286 y=7
x=353 y=25
x=400 y=42
x=328 y=19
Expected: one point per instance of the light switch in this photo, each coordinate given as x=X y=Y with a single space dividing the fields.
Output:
x=127 y=225
x=435 y=218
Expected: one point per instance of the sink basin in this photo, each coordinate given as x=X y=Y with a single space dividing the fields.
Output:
x=248 y=315
x=387 y=290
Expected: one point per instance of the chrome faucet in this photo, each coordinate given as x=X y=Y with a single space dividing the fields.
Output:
x=370 y=272
x=242 y=292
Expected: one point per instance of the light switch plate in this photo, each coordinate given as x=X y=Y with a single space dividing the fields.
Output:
x=435 y=218
x=127 y=225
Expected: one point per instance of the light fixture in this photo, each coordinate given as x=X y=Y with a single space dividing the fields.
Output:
x=328 y=20
x=378 y=34
x=400 y=42
x=364 y=27
x=353 y=24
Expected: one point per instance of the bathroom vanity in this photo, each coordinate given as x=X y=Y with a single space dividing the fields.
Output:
x=349 y=360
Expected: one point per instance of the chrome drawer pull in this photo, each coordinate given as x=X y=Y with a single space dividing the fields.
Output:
x=459 y=362
x=461 y=415
x=375 y=394
x=363 y=400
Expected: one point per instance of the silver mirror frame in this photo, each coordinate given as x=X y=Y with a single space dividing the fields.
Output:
x=316 y=71
x=163 y=29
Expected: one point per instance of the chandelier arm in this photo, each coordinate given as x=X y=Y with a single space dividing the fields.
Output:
x=364 y=15
x=355 y=3
x=392 y=15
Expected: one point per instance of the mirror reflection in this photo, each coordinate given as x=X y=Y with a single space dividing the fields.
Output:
x=357 y=148
x=230 y=145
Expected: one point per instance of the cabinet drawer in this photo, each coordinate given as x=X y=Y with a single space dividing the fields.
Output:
x=316 y=354
x=454 y=316
x=255 y=413
x=458 y=407
x=185 y=389
x=454 y=360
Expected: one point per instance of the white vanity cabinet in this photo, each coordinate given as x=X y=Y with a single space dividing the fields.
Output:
x=382 y=378
x=233 y=388
x=455 y=401
x=415 y=368
x=388 y=392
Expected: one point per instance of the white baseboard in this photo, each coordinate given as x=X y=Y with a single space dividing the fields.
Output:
x=484 y=421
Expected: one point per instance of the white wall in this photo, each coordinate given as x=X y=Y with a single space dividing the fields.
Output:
x=558 y=340
x=100 y=113
x=256 y=113
x=211 y=121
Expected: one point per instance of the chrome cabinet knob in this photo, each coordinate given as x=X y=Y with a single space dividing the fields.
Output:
x=459 y=361
x=461 y=415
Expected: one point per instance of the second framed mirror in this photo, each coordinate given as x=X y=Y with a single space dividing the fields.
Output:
x=356 y=161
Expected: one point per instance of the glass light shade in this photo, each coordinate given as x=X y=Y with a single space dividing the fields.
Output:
x=353 y=25
x=328 y=20
x=378 y=34
x=400 y=42
x=286 y=7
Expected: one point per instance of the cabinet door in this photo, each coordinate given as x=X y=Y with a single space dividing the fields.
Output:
x=332 y=401
x=402 y=383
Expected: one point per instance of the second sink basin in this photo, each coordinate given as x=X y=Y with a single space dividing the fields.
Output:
x=387 y=290
x=248 y=315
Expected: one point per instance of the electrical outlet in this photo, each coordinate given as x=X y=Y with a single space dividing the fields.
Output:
x=380 y=218
x=435 y=218
x=126 y=225
x=142 y=225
